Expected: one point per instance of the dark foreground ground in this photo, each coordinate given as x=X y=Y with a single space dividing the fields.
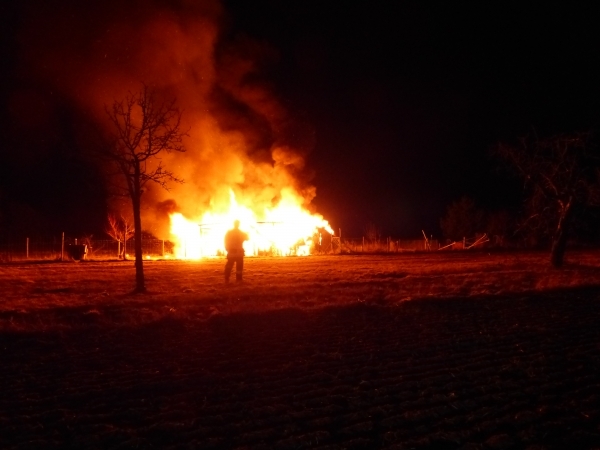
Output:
x=501 y=373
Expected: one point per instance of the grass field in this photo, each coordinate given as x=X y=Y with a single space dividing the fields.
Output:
x=441 y=350
x=53 y=295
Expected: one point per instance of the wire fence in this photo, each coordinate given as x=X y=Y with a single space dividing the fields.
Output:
x=64 y=248
x=389 y=245
x=72 y=248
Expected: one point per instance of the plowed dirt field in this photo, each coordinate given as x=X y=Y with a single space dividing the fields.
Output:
x=428 y=352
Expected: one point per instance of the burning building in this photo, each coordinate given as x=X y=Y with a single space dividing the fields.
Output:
x=284 y=229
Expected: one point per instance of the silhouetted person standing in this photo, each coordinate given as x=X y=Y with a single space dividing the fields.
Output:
x=234 y=244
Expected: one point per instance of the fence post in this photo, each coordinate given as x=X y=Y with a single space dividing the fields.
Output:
x=62 y=247
x=27 y=249
x=362 y=249
x=163 y=248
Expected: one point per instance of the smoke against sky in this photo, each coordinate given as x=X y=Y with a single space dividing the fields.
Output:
x=385 y=110
x=240 y=137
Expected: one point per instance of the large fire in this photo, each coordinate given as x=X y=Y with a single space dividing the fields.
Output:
x=286 y=229
x=238 y=135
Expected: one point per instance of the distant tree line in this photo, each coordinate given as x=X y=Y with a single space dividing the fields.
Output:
x=560 y=202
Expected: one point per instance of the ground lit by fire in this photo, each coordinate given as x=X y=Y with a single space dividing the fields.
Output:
x=433 y=350
x=285 y=229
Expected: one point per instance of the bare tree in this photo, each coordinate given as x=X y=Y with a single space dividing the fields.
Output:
x=561 y=174
x=121 y=230
x=144 y=126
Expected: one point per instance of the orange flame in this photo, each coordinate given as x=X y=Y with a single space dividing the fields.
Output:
x=286 y=229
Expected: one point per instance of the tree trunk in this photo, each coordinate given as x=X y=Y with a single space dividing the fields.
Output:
x=140 y=285
x=559 y=240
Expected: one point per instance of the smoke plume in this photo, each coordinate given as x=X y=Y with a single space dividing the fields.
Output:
x=240 y=137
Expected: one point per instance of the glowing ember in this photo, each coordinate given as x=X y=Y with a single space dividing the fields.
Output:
x=286 y=229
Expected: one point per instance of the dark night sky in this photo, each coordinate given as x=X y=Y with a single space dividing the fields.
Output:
x=406 y=98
